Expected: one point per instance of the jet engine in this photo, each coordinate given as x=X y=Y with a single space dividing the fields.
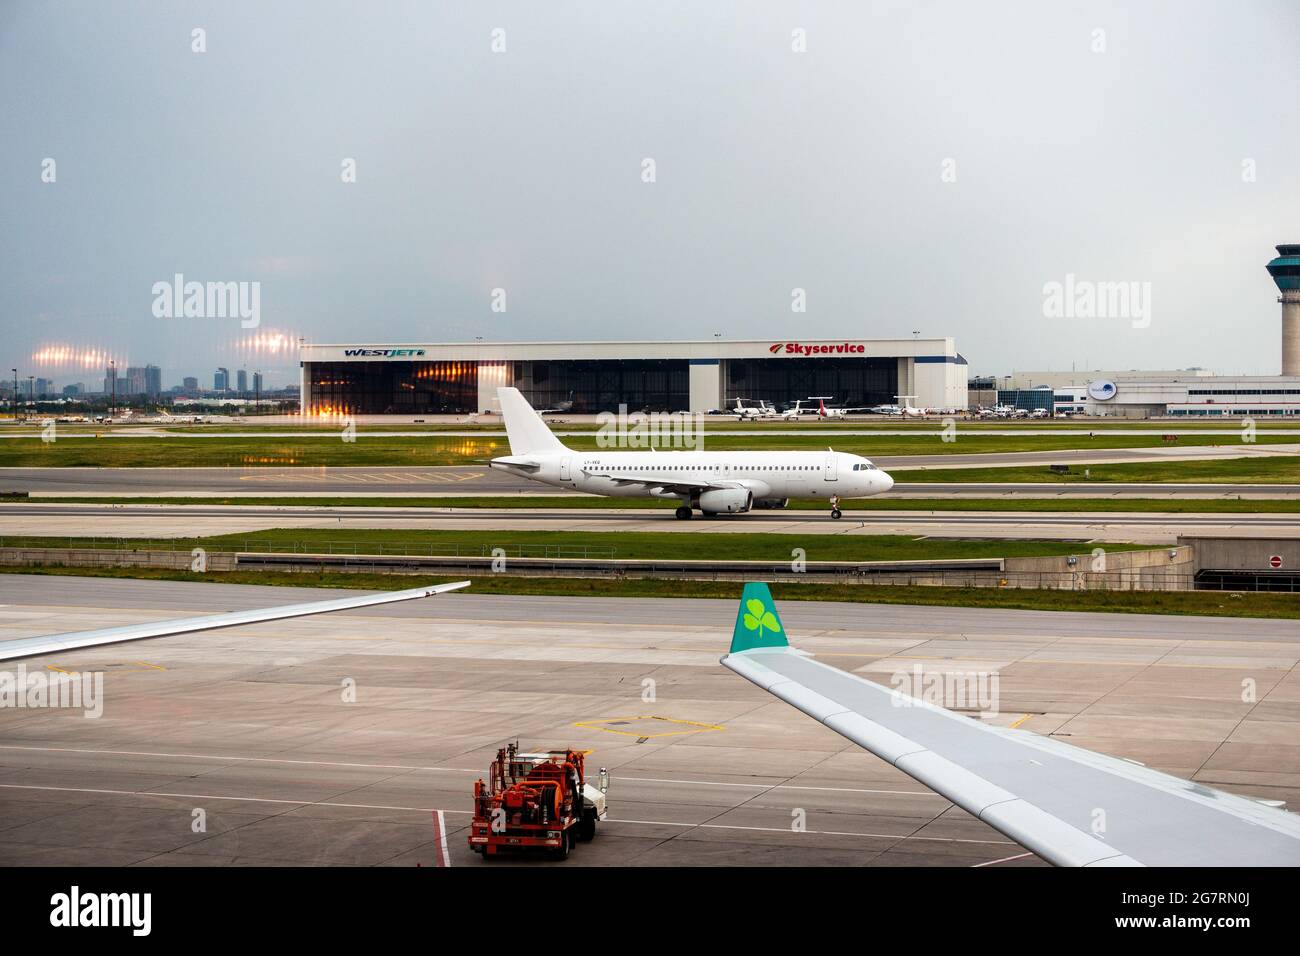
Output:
x=728 y=500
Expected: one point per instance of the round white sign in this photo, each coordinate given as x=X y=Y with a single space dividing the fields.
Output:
x=1101 y=390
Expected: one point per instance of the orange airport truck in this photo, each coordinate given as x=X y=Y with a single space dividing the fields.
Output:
x=536 y=802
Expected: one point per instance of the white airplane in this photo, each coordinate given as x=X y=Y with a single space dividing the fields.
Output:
x=843 y=411
x=906 y=410
x=796 y=411
x=167 y=418
x=824 y=412
x=1039 y=791
x=745 y=412
x=909 y=410
x=559 y=408
x=716 y=482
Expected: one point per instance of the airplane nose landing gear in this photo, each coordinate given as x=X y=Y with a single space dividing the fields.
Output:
x=836 y=513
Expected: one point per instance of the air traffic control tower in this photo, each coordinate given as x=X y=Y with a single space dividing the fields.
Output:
x=1285 y=270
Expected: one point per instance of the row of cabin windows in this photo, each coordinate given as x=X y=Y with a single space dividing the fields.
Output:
x=715 y=467
x=865 y=466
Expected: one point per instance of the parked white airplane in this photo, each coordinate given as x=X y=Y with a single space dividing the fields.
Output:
x=824 y=412
x=797 y=411
x=715 y=482
x=909 y=410
x=745 y=412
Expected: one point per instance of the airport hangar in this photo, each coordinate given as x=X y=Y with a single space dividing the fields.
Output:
x=413 y=379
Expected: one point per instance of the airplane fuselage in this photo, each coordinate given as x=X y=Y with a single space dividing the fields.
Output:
x=766 y=475
x=713 y=482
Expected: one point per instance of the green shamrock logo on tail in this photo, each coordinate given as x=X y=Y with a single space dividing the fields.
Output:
x=758 y=617
x=757 y=622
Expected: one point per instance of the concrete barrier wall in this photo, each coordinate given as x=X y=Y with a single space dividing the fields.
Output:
x=111 y=558
x=1122 y=570
x=1166 y=569
x=1244 y=554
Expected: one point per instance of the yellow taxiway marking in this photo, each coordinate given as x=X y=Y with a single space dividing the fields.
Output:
x=695 y=726
x=141 y=666
x=1023 y=718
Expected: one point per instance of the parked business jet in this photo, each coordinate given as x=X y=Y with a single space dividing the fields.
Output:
x=715 y=482
x=825 y=411
x=831 y=412
x=749 y=413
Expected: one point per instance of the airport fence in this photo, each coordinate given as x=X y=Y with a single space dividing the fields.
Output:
x=273 y=546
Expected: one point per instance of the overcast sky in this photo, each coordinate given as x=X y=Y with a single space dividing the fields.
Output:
x=1162 y=149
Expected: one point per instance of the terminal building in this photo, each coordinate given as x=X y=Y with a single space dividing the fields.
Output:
x=1156 y=394
x=591 y=377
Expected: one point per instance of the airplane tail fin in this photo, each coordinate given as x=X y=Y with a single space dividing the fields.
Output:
x=524 y=427
x=757 y=623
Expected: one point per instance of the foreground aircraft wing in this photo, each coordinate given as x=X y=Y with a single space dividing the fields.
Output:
x=1071 y=806
x=52 y=643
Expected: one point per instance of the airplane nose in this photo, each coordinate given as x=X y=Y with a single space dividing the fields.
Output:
x=886 y=482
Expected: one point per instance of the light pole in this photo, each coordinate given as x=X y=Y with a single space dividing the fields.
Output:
x=15 y=396
x=112 y=379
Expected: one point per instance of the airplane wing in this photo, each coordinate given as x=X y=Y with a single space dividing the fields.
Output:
x=53 y=643
x=660 y=481
x=1071 y=806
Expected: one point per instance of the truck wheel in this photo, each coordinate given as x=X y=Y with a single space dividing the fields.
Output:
x=561 y=852
x=587 y=828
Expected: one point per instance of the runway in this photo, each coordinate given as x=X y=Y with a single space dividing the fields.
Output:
x=164 y=521
x=376 y=482
x=248 y=729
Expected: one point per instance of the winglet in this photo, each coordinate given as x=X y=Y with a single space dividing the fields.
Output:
x=757 y=623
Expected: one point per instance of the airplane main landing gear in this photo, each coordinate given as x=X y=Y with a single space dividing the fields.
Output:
x=683 y=513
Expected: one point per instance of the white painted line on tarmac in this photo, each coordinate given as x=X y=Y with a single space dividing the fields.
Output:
x=398 y=766
x=369 y=806
x=440 y=828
